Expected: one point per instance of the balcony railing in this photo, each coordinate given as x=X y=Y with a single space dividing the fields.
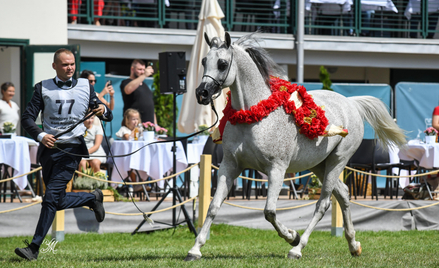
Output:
x=376 y=18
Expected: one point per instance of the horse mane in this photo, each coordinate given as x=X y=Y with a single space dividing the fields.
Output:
x=266 y=65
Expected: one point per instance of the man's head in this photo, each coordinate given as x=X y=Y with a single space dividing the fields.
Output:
x=137 y=68
x=64 y=64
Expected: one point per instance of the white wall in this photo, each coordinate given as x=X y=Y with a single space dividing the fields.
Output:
x=42 y=22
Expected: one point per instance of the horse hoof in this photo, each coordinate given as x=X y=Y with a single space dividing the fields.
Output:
x=358 y=251
x=296 y=239
x=294 y=255
x=192 y=257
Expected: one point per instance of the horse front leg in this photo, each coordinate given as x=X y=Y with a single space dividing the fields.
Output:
x=274 y=186
x=225 y=182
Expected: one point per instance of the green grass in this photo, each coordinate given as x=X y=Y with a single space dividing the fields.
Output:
x=230 y=246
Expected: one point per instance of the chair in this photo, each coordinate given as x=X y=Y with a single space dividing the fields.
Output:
x=381 y=161
x=293 y=191
x=247 y=185
x=12 y=191
x=363 y=160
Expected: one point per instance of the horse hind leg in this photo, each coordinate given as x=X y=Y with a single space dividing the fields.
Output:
x=225 y=182
x=341 y=192
x=322 y=204
x=274 y=187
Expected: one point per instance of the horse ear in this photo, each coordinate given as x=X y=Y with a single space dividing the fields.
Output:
x=207 y=39
x=228 y=40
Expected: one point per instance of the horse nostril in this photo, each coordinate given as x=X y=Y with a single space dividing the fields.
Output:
x=204 y=93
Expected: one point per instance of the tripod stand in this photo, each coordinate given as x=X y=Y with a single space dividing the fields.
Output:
x=175 y=191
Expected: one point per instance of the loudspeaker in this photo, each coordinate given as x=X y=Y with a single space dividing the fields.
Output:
x=172 y=72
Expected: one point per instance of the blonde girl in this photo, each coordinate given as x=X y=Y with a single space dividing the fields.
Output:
x=131 y=118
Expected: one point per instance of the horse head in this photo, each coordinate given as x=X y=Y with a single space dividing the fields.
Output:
x=217 y=65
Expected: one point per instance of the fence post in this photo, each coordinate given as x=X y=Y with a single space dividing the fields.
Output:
x=204 y=190
x=58 y=226
x=337 y=217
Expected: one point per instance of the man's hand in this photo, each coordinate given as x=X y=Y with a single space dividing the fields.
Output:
x=100 y=110
x=149 y=71
x=48 y=140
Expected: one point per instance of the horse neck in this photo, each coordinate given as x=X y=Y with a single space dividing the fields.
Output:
x=249 y=87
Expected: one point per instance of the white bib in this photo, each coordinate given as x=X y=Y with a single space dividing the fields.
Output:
x=64 y=108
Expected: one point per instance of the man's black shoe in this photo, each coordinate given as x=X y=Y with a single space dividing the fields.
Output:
x=98 y=205
x=29 y=253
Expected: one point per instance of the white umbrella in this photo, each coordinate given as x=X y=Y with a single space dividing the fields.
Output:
x=193 y=114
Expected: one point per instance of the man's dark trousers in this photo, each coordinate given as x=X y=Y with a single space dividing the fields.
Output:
x=58 y=170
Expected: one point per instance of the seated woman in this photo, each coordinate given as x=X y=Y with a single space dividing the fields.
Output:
x=9 y=110
x=93 y=139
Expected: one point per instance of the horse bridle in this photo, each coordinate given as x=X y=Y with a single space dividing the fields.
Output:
x=220 y=85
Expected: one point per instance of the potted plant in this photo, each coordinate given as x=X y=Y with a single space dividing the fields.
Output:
x=148 y=131
x=87 y=184
x=315 y=188
x=430 y=135
x=8 y=128
x=161 y=131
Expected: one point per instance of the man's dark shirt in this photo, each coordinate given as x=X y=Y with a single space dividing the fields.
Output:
x=141 y=99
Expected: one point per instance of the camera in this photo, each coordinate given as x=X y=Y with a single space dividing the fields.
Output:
x=110 y=82
x=150 y=63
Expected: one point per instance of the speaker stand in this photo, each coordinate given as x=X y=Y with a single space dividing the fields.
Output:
x=175 y=191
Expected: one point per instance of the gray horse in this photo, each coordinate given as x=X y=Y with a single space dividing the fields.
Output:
x=274 y=145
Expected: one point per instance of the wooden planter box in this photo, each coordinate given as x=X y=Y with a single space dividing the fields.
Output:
x=316 y=195
x=108 y=194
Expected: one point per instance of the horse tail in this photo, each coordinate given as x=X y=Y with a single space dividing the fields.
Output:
x=375 y=112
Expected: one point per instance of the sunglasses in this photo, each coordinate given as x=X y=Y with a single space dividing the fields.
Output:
x=93 y=81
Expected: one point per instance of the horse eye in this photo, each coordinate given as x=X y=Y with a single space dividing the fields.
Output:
x=222 y=65
x=203 y=61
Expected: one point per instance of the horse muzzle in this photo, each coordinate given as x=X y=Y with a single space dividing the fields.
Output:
x=204 y=93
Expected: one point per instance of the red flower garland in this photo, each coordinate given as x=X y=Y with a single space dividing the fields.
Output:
x=309 y=117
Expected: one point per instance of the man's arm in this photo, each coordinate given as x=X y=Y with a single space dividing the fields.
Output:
x=29 y=116
x=134 y=84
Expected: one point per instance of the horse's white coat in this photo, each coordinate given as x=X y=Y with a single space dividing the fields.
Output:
x=274 y=146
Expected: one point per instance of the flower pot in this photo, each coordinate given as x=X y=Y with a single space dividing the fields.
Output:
x=430 y=139
x=148 y=136
x=13 y=134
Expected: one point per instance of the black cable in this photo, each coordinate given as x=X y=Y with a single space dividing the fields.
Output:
x=171 y=140
x=124 y=182
x=112 y=156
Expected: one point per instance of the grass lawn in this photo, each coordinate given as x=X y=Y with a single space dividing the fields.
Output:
x=229 y=246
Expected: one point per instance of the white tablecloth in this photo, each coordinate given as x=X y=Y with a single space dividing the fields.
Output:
x=385 y=5
x=331 y=7
x=426 y=154
x=14 y=152
x=155 y=159
x=414 y=7
x=194 y=151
